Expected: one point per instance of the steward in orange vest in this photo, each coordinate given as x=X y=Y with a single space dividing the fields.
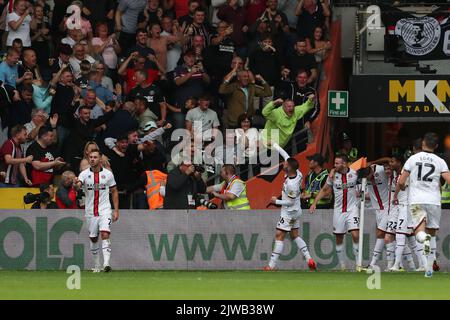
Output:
x=154 y=179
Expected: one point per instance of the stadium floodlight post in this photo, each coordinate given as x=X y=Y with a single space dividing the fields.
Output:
x=361 y=225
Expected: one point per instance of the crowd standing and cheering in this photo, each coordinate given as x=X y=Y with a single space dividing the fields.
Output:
x=127 y=69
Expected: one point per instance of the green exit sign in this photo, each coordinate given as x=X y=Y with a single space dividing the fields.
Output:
x=338 y=104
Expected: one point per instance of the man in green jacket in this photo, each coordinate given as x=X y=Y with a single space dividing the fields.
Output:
x=285 y=118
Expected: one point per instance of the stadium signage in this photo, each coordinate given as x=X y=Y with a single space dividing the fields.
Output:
x=404 y=98
x=175 y=240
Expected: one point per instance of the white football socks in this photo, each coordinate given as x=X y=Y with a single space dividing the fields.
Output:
x=412 y=243
x=277 y=250
x=390 y=254
x=377 y=250
x=340 y=254
x=407 y=255
x=106 y=248
x=399 y=248
x=95 y=248
x=301 y=244
x=433 y=245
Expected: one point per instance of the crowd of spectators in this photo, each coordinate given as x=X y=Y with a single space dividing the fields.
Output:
x=127 y=69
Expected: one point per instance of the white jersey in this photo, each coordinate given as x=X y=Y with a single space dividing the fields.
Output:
x=292 y=191
x=344 y=188
x=402 y=196
x=96 y=187
x=378 y=187
x=425 y=170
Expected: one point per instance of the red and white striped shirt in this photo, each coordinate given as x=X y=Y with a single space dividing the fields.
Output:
x=344 y=188
x=96 y=187
x=379 y=188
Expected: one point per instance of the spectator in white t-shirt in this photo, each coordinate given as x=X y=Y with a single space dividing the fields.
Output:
x=79 y=54
x=201 y=119
x=18 y=23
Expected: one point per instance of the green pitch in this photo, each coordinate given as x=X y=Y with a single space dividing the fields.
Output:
x=221 y=285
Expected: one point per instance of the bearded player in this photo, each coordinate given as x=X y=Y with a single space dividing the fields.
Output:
x=290 y=212
x=342 y=181
x=97 y=182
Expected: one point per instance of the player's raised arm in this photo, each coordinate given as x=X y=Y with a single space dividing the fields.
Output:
x=115 y=198
x=280 y=150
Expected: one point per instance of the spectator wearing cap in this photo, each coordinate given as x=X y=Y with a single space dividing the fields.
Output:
x=144 y=115
x=347 y=148
x=190 y=79
x=314 y=181
x=201 y=119
x=47 y=194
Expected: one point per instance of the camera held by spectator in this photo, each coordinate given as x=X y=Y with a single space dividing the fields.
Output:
x=42 y=200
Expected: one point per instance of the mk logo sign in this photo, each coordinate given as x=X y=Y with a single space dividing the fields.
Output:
x=435 y=92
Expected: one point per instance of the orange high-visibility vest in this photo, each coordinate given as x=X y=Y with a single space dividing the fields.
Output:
x=154 y=178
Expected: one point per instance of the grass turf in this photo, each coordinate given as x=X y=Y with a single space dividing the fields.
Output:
x=221 y=285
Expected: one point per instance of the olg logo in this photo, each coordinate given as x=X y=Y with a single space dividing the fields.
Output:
x=40 y=244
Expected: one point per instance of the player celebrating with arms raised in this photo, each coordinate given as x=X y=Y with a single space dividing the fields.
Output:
x=343 y=180
x=290 y=211
x=97 y=182
x=424 y=170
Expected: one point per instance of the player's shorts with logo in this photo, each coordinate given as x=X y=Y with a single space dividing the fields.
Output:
x=344 y=222
x=429 y=212
x=382 y=219
x=399 y=220
x=289 y=220
x=98 y=223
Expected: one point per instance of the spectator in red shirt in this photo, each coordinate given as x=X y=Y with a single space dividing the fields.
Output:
x=66 y=195
x=129 y=73
x=12 y=158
